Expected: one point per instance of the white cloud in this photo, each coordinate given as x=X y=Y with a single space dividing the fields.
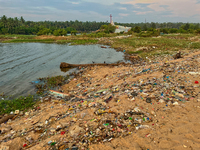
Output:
x=75 y=3
x=123 y=15
x=179 y=8
x=156 y=7
x=123 y=8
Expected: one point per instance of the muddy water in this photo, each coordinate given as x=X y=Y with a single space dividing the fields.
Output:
x=22 y=63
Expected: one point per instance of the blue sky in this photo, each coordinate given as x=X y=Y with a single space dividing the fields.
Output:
x=125 y=11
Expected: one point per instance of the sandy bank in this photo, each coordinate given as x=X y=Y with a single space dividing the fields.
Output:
x=154 y=106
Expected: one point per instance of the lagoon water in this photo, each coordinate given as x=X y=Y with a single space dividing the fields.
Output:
x=21 y=63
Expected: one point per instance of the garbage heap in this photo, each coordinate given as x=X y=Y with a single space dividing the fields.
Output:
x=151 y=106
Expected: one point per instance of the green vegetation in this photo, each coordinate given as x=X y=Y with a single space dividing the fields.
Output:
x=29 y=41
x=25 y=103
x=59 y=32
x=167 y=44
x=16 y=36
x=137 y=29
x=83 y=42
x=108 y=28
x=50 y=83
x=44 y=31
x=73 y=32
x=72 y=41
x=21 y=103
x=20 y=26
x=62 y=41
x=151 y=32
x=198 y=31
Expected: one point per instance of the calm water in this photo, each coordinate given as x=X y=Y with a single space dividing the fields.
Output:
x=22 y=63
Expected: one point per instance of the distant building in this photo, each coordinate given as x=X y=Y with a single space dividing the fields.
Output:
x=112 y=23
x=121 y=29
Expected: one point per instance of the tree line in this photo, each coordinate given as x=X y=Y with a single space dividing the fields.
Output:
x=16 y=25
x=20 y=26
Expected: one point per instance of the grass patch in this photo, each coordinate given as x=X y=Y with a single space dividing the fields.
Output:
x=21 y=103
x=29 y=41
x=61 y=41
x=17 y=36
x=73 y=40
x=179 y=36
x=163 y=44
x=48 y=83
x=136 y=52
x=194 y=45
x=83 y=41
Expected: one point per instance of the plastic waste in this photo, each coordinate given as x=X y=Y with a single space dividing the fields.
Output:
x=148 y=100
x=36 y=82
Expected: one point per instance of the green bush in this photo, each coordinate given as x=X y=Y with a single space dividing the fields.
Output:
x=197 y=31
x=60 y=32
x=151 y=32
x=108 y=28
x=191 y=31
x=21 y=103
x=73 y=32
x=130 y=32
x=137 y=29
x=165 y=30
x=181 y=30
x=44 y=31
x=173 y=30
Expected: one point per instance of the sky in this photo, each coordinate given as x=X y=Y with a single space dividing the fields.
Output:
x=123 y=11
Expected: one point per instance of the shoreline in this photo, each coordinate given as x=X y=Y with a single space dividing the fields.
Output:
x=135 y=57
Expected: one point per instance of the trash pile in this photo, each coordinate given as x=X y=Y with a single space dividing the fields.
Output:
x=102 y=104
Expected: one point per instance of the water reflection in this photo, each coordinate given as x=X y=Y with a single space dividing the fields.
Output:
x=22 y=63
